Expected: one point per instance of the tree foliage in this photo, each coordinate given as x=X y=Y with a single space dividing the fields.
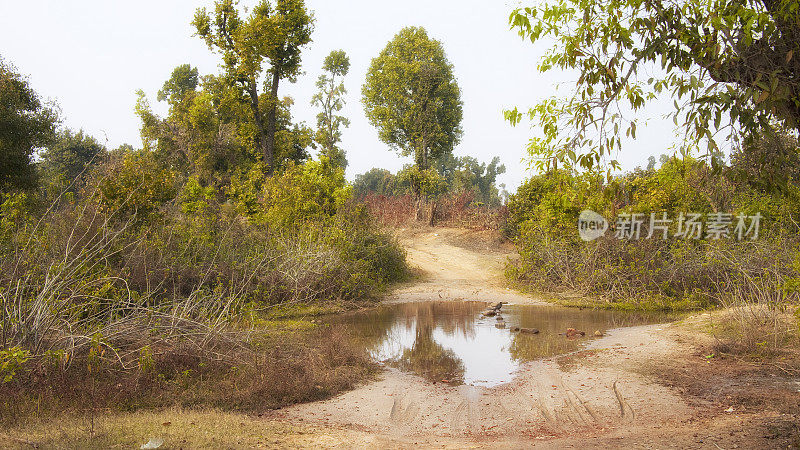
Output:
x=412 y=97
x=330 y=99
x=448 y=175
x=68 y=157
x=270 y=34
x=466 y=173
x=184 y=79
x=730 y=66
x=26 y=124
x=209 y=133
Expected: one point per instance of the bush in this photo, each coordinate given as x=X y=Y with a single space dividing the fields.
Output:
x=651 y=273
x=303 y=192
x=136 y=186
x=136 y=269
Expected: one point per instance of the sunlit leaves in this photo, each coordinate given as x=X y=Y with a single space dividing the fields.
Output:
x=728 y=65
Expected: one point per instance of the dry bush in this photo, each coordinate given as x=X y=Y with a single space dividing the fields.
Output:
x=390 y=211
x=267 y=373
x=452 y=210
x=103 y=310
x=654 y=273
x=758 y=320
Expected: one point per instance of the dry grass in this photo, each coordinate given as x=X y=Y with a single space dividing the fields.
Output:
x=656 y=274
x=766 y=332
x=178 y=428
x=277 y=368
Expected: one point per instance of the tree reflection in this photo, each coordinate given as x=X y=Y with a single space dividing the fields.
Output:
x=426 y=357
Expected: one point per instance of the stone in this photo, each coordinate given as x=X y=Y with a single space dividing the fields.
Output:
x=572 y=332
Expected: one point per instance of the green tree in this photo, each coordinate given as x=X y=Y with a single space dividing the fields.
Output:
x=26 y=124
x=184 y=79
x=375 y=181
x=466 y=173
x=69 y=155
x=274 y=34
x=208 y=132
x=412 y=97
x=731 y=67
x=331 y=99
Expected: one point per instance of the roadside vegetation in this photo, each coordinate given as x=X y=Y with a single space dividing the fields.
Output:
x=730 y=70
x=186 y=272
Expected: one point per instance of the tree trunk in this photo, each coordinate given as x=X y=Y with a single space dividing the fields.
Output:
x=421 y=208
x=272 y=118
x=424 y=155
x=262 y=138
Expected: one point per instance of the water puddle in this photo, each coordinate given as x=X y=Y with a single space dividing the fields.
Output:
x=453 y=342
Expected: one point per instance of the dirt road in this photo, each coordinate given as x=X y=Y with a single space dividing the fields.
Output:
x=613 y=393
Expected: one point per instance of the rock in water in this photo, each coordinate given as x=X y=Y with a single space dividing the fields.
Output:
x=489 y=313
x=572 y=332
x=598 y=333
x=529 y=330
x=500 y=325
x=514 y=328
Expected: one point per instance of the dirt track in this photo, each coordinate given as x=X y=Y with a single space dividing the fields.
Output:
x=598 y=397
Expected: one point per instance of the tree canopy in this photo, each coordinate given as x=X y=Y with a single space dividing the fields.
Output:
x=26 y=124
x=270 y=34
x=330 y=99
x=412 y=97
x=730 y=66
x=69 y=155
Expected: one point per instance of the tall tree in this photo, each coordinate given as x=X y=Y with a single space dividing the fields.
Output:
x=26 y=123
x=412 y=97
x=273 y=35
x=184 y=79
x=331 y=99
x=730 y=65
x=69 y=155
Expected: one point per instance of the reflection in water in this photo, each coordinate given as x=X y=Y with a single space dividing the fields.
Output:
x=451 y=340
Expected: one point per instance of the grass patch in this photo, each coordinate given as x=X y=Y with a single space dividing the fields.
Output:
x=177 y=428
x=297 y=361
x=759 y=332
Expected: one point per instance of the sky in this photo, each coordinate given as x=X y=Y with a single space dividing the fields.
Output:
x=91 y=56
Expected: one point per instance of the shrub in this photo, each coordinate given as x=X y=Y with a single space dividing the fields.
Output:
x=136 y=186
x=655 y=273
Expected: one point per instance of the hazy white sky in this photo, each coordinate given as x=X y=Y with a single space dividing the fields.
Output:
x=92 y=55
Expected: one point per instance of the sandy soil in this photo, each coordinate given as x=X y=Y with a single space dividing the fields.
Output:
x=634 y=388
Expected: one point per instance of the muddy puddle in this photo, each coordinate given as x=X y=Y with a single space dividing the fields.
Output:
x=453 y=342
